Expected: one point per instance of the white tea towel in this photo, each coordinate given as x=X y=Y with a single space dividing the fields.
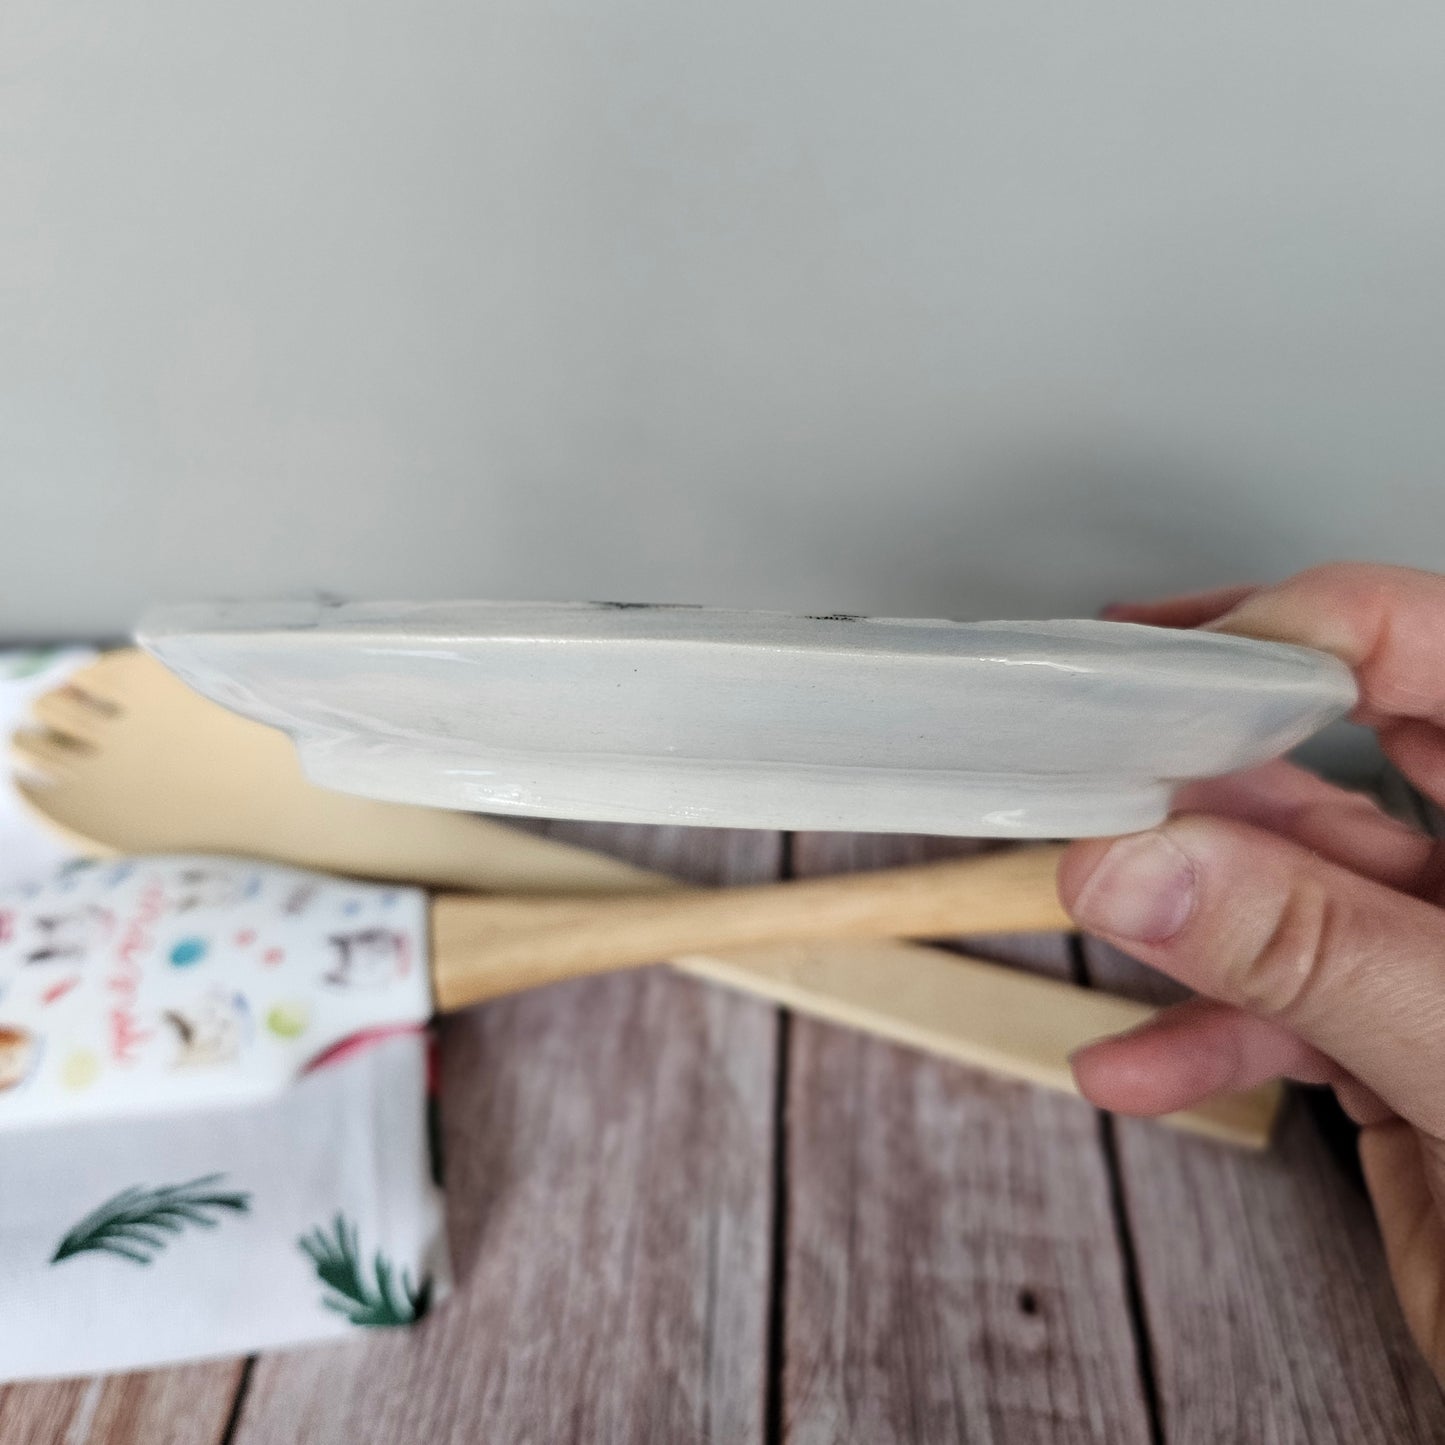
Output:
x=228 y=1159
x=139 y=1242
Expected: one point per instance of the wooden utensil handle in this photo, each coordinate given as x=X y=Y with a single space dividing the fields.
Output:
x=483 y=948
x=982 y=1014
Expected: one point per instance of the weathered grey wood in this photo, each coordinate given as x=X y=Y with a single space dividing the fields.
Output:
x=952 y=1270
x=1269 y=1309
x=187 y=1405
x=609 y=1156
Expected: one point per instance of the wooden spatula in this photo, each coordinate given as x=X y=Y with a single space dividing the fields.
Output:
x=126 y=759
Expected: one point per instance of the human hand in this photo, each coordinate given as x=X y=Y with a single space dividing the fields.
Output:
x=1310 y=924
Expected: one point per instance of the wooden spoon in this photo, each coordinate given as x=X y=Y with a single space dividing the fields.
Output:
x=483 y=947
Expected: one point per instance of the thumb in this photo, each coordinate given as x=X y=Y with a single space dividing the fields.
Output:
x=1256 y=921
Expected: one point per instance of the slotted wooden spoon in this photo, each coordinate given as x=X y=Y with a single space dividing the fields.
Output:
x=127 y=759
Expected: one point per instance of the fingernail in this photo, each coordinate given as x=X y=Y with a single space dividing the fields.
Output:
x=1141 y=890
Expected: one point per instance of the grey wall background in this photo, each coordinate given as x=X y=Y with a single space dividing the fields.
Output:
x=913 y=306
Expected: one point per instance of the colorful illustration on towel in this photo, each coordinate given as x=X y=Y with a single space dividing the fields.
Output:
x=288 y=1019
x=61 y=935
x=138 y=1223
x=19 y=1053
x=186 y=981
x=211 y=1031
x=368 y=958
x=28 y=662
x=368 y=1293
x=213 y=886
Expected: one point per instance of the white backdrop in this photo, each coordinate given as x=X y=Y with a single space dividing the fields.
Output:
x=902 y=306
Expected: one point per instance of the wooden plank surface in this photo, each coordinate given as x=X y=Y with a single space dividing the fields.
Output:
x=187 y=1405
x=951 y=1266
x=609 y=1151
x=1269 y=1310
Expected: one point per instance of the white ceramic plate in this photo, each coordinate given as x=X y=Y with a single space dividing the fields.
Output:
x=742 y=719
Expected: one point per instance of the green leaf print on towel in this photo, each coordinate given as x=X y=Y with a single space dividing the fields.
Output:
x=15 y=666
x=136 y=1224
x=376 y=1302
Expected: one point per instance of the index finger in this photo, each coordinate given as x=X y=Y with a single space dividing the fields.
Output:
x=1388 y=625
x=1188 y=609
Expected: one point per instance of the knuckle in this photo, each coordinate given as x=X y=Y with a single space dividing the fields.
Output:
x=1279 y=978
